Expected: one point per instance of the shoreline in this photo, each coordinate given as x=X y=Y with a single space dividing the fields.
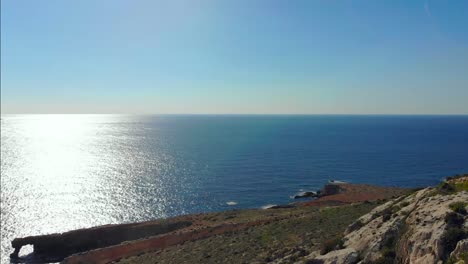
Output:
x=88 y=245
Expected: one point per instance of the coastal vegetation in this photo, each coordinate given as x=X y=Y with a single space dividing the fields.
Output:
x=295 y=233
x=352 y=223
x=459 y=207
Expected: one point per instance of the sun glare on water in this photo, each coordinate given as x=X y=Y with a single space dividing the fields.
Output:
x=62 y=172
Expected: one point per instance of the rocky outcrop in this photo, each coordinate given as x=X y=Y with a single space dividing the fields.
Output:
x=341 y=256
x=305 y=195
x=461 y=251
x=346 y=193
x=423 y=240
x=331 y=189
x=428 y=226
x=55 y=247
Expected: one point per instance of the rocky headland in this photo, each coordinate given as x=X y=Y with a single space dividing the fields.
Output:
x=426 y=226
x=347 y=223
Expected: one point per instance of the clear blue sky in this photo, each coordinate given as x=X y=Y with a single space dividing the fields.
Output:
x=263 y=57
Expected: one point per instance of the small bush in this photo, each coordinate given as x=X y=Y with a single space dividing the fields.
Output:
x=458 y=207
x=445 y=188
x=461 y=186
x=388 y=257
x=389 y=243
x=388 y=248
x=388 y=253
x=331 y=244
x=454 y=220
x=385 y=260
x=452 y=260
x=451 y=237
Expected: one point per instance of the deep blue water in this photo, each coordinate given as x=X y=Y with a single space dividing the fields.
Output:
x=67 y=171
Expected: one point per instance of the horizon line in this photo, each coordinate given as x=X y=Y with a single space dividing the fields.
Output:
x=247 y=114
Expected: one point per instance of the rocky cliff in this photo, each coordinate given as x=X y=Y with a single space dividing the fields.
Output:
x=426 y=226
x=349 y=223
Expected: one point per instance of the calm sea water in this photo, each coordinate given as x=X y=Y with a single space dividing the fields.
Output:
x=61 y=172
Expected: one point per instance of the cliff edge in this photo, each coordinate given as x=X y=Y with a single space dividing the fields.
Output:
x=426 y=226
x=348 y=223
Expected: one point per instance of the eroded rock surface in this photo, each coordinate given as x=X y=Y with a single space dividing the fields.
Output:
x=461 y=251
x=341 y=256
x=55 y=247
x=424 y=227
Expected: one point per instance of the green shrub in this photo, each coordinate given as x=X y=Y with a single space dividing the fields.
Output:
x=461 y=186
x=453 y=220
x=388 y=253
x=445 y=188
x=331 y=244
x=389 y=247
x=451 y=237
x=458 y=207
x=388 y=256
x=385 y=260
x=389 y=243
x=452 y=260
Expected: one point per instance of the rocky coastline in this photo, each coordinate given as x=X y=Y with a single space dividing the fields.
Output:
x=427 y=226
x=346 y=223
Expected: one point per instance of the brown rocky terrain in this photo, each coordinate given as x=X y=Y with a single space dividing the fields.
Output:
x=427 y=226
x=392 y=224
x=346 y=193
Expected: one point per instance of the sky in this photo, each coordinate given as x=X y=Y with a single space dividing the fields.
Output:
x=234 y=57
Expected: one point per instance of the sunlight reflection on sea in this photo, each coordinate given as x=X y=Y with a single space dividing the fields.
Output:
x=62 y=172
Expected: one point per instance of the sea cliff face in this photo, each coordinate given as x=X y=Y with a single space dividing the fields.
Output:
x=427 y=226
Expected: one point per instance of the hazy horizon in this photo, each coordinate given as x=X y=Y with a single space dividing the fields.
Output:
x=241 y=57
x=228 y=114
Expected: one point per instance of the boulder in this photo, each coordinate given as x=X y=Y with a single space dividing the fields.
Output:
x=275 y=206
x=305 y=195
x=330 y=189
x=341 y=256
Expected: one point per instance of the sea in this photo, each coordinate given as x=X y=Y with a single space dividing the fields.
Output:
x=62 y=172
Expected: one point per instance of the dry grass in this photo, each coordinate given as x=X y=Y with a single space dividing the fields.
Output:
x=296 y=231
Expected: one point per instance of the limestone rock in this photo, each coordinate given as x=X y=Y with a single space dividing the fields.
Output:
x=305 y=195
x=462 y=248
x=410 y=229
x=422 y=243
x=341 y=256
